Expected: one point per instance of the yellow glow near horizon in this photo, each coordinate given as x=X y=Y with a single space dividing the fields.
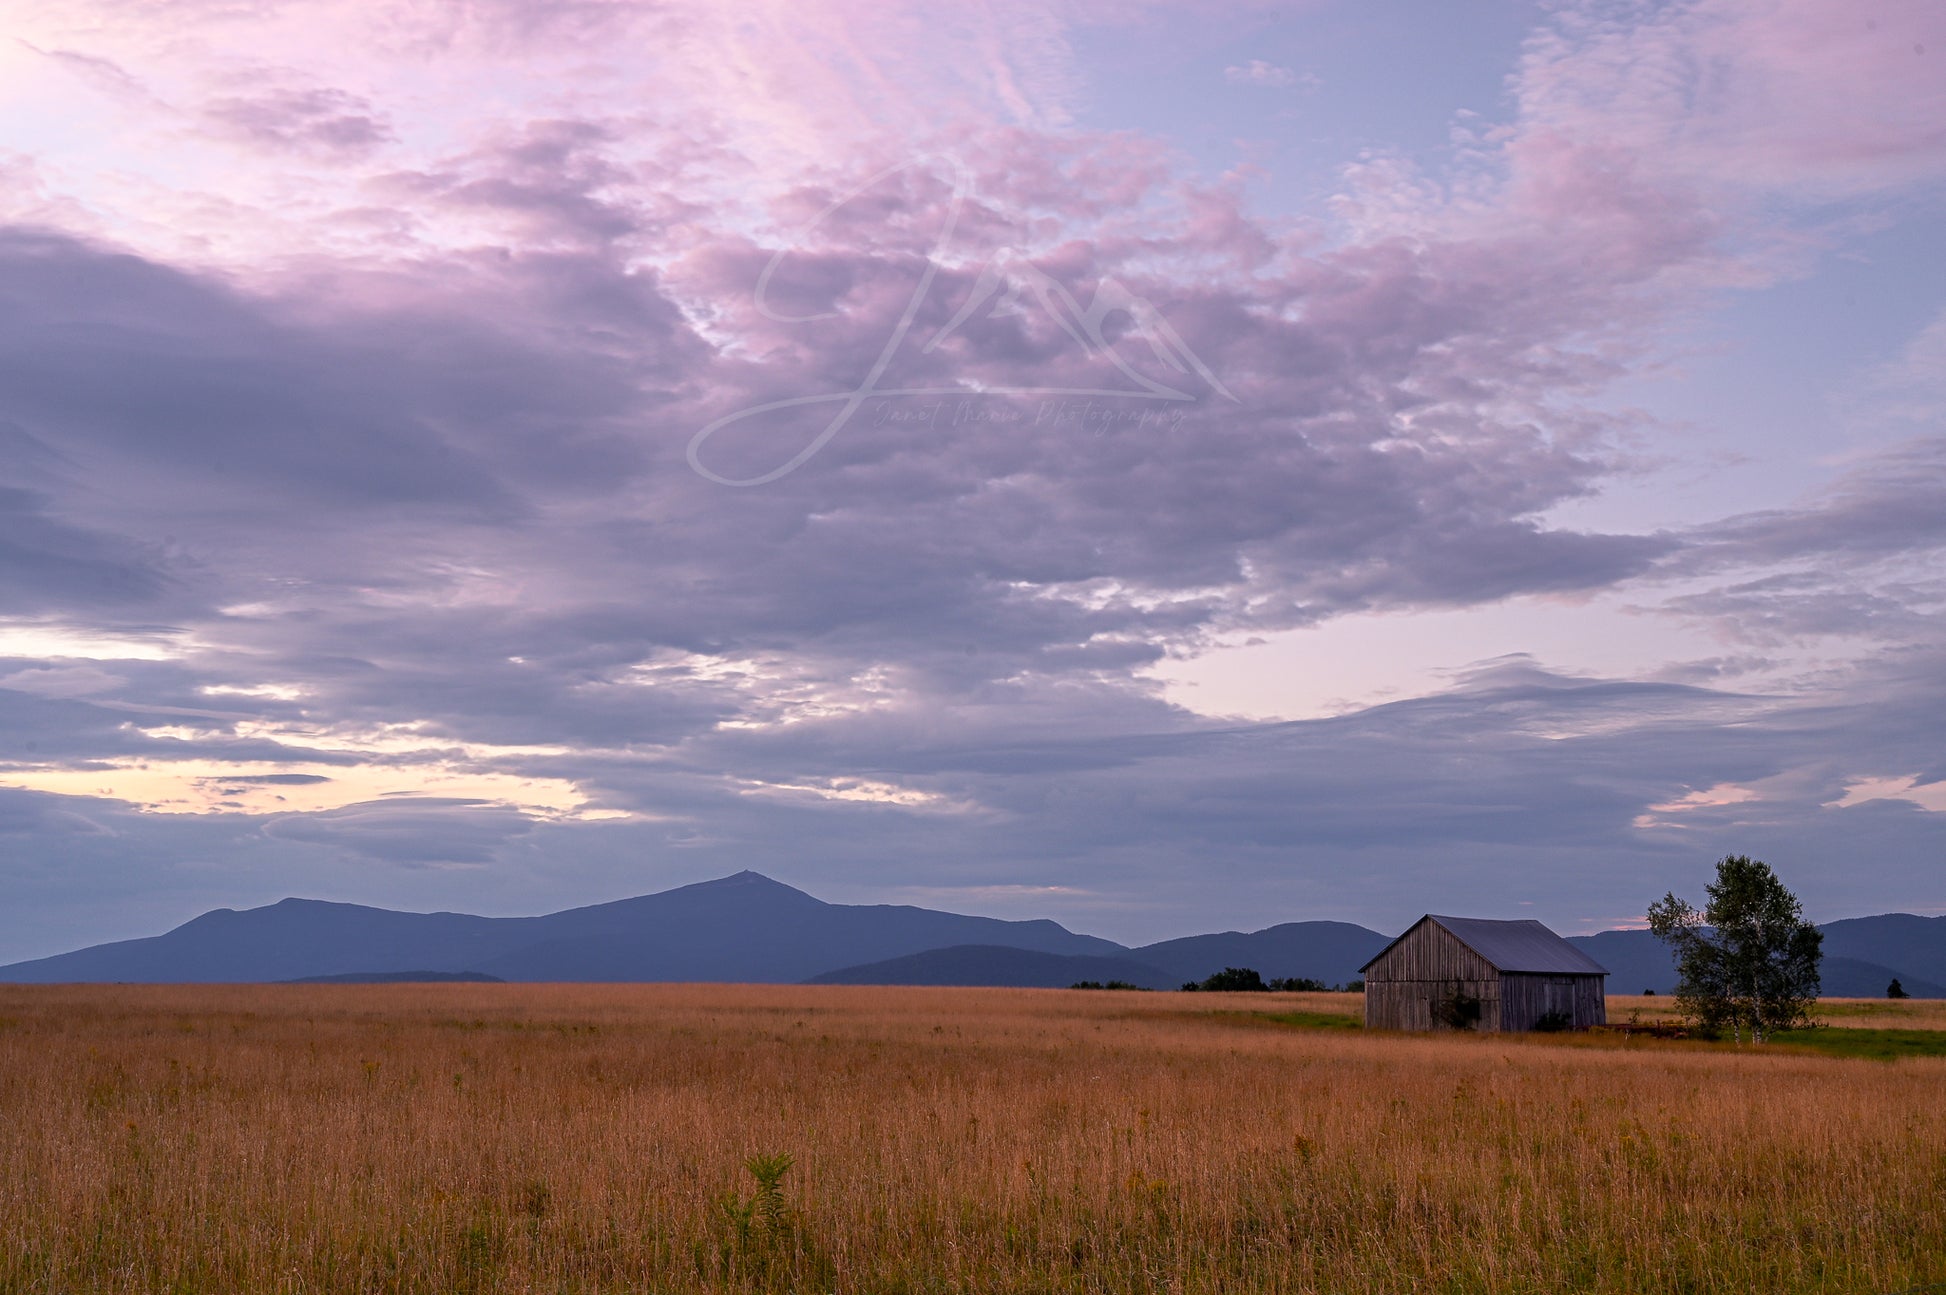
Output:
x=1929 y=796
x=226 y=787
x=1372 y=658
x=385 y=739
x=1716 y=797
x=276 y=691
x=53 y=642
x=860 y=789
x=1723 y=793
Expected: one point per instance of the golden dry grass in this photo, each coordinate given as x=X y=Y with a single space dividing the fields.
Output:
x=510 y=1138
x=1842 y=1013
x=1881 y=1013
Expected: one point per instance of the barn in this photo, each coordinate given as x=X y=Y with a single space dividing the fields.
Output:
x=1475 y=973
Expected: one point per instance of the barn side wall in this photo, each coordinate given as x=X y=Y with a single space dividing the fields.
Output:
x=1408 y=1004
x=1428 y=964
x=1526 y=997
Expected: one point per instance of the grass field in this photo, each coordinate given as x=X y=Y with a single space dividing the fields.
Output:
x=490 y=1138
x=1838 y=1013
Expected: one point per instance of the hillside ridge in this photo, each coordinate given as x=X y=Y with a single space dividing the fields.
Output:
x=749 y=927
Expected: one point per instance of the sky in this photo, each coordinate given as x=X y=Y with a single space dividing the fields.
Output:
x=1162 y=467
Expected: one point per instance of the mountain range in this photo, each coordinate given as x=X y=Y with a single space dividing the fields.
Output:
x=750 y=928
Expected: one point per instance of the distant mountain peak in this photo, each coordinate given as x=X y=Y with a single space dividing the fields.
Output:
x=746 y=880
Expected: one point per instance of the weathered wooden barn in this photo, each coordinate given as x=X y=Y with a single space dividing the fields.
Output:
x=1474 y=973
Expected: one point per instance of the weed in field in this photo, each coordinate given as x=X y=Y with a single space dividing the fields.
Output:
x=768 y=1203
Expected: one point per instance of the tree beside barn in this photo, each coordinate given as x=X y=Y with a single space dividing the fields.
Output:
x=1748 y=958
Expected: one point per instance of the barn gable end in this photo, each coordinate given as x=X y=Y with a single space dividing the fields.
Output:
x=1512 y=973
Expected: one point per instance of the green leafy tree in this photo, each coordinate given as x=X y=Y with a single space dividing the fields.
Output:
x=1748 y=959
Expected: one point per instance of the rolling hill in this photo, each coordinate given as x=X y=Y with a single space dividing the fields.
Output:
x=740 y=928
x=987 y=964
x=750 y=928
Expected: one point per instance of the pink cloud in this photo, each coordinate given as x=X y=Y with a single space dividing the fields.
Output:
x=1813 y=99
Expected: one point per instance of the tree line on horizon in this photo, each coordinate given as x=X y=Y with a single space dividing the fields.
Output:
x=1233 y=980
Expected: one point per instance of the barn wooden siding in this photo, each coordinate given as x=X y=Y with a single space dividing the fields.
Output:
x=1429 y=964
x=1525 y=997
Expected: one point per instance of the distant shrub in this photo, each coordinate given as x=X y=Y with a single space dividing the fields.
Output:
x=1230 y=980
x=1112 y=984
x=1235 y=979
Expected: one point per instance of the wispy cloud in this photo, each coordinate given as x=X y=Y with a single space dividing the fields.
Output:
x=1258 y=72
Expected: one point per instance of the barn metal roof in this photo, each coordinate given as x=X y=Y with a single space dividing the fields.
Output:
x=1519 y=946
